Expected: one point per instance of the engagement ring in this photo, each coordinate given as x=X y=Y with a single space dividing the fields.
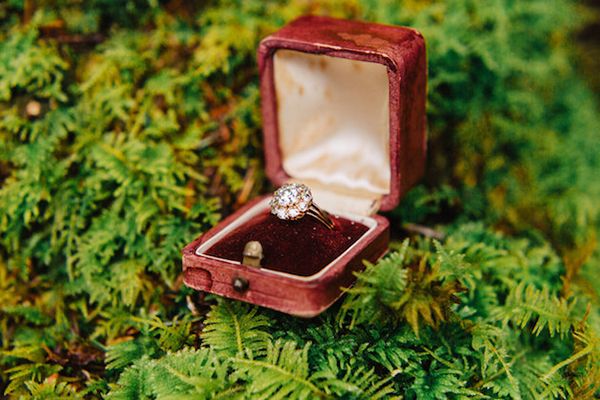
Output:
x=293 y=201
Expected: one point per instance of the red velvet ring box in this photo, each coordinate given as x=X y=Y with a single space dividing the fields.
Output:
x=343 y=107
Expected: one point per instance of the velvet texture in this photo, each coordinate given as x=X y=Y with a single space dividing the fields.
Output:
x=301 y=247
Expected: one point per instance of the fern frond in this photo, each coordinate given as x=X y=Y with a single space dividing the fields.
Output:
x=193 y=374
x=393 y=352
x=453 y=265
x=511 y=369
x=23 y=373
x=187 y=374
x=533 y=382
x=51 y=390
x=377 y=287
x=326 y=337
x=391 y=291
x=172 y=336
x=587 y=384
x=438 y=382
x=282 y=374
x=122 y=354
x=234 y=328
x=587 y=345
x=525 y=304
x=357 y=383
x=33 y=353
x=134 y=382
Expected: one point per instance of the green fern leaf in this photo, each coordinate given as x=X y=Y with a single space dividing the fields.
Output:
x=193 y=374
x=134 y=383
x=187 y=374
x=23 y=373
x=282 y=374
x=121 y=355
x=234 y=328
x=343 y=381
x=172 y=335
x=525 y=304
x=377 y=287
x=52 y=390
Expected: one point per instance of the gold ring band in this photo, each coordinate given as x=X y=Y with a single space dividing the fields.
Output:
x=321 y=215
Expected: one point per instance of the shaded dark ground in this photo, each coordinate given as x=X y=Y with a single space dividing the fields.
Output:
x=589 y=47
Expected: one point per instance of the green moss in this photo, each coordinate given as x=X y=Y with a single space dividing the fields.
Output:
x=127 y=129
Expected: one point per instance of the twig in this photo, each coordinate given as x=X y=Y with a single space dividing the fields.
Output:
x=423 y=230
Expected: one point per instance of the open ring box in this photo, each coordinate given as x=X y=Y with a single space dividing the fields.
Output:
x=343 y=106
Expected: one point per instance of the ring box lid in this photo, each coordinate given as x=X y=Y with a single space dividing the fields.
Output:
x=343 y=107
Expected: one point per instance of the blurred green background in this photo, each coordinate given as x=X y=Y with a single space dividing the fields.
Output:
x=128 y=128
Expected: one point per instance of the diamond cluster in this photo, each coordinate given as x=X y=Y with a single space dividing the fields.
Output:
x=291 y=201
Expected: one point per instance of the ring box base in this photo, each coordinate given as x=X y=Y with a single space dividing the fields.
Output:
x=304 y=296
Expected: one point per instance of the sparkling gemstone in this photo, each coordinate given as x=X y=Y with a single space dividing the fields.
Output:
x=291 y=201
x=282 y=213
x=287 y=198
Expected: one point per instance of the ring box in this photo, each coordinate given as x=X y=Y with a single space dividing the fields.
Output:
x=343 y=106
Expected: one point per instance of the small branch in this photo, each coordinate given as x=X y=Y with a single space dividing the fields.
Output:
x=440 y=359
x=585 y=351
x=28 y=11
x=57 y=30
x=249 y=180
x=423 y=230
x=76 y=39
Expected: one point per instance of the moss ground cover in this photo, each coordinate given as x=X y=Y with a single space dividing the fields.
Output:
x=129 y=128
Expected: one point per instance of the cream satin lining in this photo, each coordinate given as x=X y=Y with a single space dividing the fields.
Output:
x=333 y=118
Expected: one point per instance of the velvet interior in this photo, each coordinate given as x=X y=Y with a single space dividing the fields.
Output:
x=301 y=247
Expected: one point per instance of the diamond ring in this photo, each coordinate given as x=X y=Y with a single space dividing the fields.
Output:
x=293 y=201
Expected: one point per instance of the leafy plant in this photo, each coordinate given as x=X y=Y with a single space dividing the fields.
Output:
x=127 y=129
